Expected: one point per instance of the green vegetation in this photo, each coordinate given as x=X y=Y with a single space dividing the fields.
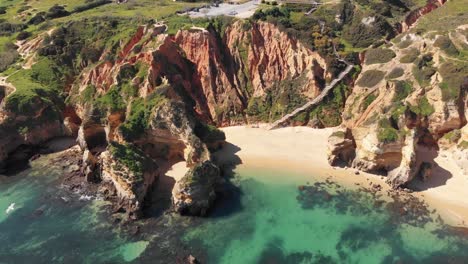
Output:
x=338 y=134
x=463 y=144
x=410 y=55
x=449 y=16
x=138 y=120
x=386 y=133
x=131 y=157
x=453 y=136
x=402 y=90
x=453 y=75
x=370 y=78
x=361 y=35
x=8 y=56
x=395 y=73
x=368 y=100
x=209 y=133
x=405 y=43
x=445 y=44
x=380 y=55
x=112 y=100
x=281 y=99
x=423 y=70
x=36 y=88
x=329 y=111
x=424 y=108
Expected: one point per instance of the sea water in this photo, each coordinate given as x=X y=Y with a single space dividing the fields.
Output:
x=267 y=216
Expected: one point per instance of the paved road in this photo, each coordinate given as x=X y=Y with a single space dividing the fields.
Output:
x=244 y=10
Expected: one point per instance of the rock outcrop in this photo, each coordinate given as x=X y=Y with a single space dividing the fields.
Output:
x=196 y=192
x=416 y=97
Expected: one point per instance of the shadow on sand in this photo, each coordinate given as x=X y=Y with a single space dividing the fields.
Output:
x=228 y=201
x=439 y=176
x=229 y=198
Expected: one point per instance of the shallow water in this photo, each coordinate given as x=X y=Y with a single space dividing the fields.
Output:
x=265 y=218
x=51 y=225
x=279 y=223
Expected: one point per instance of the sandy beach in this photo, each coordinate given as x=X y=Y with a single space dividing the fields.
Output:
x=304 y=149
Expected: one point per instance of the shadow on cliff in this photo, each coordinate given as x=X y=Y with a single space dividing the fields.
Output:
x=229 y=198
x=439 y=176
x=160 y=199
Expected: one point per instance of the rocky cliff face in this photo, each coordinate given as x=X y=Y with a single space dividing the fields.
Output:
x=245 y=63
x=410 y=94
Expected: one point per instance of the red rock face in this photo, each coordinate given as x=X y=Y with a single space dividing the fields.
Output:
x=220 y=73
x=416 y=14
x=246 y=63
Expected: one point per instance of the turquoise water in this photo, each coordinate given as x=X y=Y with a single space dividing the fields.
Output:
x=51 y=225
x=278 y=222
x=266 y=217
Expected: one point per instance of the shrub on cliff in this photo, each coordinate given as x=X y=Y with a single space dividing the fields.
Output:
x=363 y=35
x=423 y=108
x=374 y=56
x=445 y=44
x=138 y=120
x=131 y=157
x=386 y=133
x=453 y=75
x=395 y=73
x=402 y=90
x=410 y=55
x=208 y=133
x=370 y=78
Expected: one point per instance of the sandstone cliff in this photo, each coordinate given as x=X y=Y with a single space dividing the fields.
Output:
x=411 y=94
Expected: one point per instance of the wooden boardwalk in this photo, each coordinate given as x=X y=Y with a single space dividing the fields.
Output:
x=314 y=101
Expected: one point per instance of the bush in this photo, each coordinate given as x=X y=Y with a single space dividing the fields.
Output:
x=445 y=44
x=56 y=11
x=386 y=133
x=6 y=29
x=209 y=133
x=91 y=5
x=374 y=56
x=395 y=73
x=131 y=157
x=7 y=58
x=453 y=75
x=362 y=36
x=453 y=136
x=370 y=78
x=402 y=90
x=368 y=100
x=424 y=108
x=23 y=35
x=410 y=56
